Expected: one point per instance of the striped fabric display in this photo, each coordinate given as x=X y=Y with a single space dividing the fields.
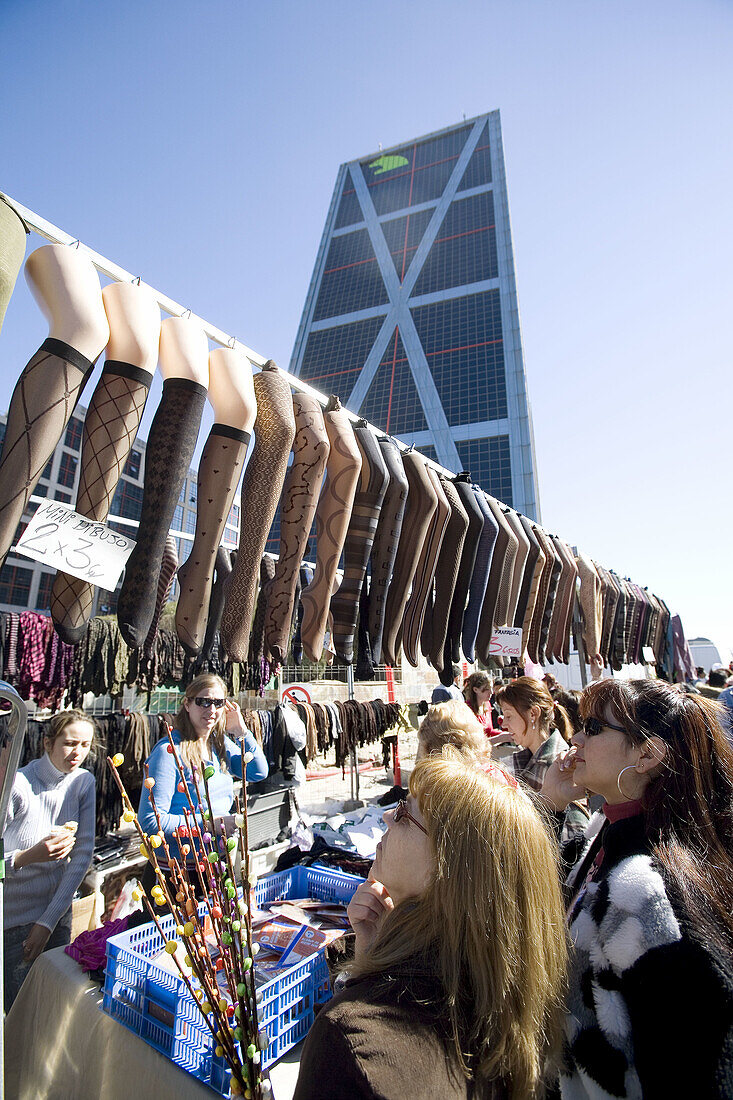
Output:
x=370 y=492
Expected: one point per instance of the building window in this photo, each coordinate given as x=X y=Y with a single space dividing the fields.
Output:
x=67 y=469
x=15 y=585
x=72 y=439
x=132 y=466
x=193 y=491
x=47 y=470
x=45 y=584
x=40 y=490
x=351 y=278
x=190 y=527
x=489 y=464
x=127 y=502
x=65 y=498
x=177 y=523
x=333 y=357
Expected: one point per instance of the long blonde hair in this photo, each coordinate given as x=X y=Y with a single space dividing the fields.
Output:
x=191 y=747
x=454 y=723
x=491 y=921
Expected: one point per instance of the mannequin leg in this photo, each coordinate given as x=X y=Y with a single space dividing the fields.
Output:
x=42 y=403
x=480 y=578
x=422 y=502
x=298 y=507
x=520 y=562
x=446 y=573
x=359 y=540
x=166 y=577
x=490 y=608
x=465 y=491
x=422 y=584
x=258 y=666
x=219 y=470
x=110 y=427
x=364 y=661
x=171 y=444
x=543 y=585
x=332 y=520
x=386 y=541
x=222 y=572
x=305 y=577
x=261 y=488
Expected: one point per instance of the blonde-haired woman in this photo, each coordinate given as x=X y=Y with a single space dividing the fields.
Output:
x=457 y=984
x=208 y=730
x=49 y=840
x=455 y=724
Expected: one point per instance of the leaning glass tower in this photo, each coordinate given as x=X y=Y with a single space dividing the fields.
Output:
x=411 y=315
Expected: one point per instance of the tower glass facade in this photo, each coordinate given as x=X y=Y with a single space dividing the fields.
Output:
x=411 y=316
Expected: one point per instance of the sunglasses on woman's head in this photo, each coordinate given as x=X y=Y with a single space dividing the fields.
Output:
x=205 y=702
x=402 y=811
x=593 y=726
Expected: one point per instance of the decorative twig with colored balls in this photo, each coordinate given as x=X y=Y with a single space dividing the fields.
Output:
x=203 y=868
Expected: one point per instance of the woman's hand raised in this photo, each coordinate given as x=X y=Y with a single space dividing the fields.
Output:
x=54 y=847
x=233 y=718
x=366 y=911
x=559 y=788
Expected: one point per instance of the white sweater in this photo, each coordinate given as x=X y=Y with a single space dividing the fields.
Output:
x=43 y=797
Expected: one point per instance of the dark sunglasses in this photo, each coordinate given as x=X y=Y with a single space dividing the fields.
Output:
x=402 y=812
x=593 y=726
x=204 y=702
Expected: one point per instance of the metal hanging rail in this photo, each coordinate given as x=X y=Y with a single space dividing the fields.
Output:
x=55 y=235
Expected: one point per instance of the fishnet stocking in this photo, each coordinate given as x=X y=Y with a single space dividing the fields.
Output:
x=110 y=428
x=219 y=471
x=42 y=403
x=171 y=444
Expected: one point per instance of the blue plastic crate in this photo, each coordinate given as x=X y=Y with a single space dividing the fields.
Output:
x=157 y=1006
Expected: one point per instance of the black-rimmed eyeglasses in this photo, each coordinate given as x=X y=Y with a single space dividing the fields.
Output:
x=402 y=811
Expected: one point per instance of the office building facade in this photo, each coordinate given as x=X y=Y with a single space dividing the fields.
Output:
x=411 y=316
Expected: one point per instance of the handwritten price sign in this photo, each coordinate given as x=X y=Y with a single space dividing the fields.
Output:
x=60 y=537
x=506 y=642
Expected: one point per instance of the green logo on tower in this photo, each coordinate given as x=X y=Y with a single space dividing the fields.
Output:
x=387 y=164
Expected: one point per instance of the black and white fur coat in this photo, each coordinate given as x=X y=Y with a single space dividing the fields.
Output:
x=650 y=1008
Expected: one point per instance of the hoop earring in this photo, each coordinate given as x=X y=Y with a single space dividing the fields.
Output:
x=618 y=782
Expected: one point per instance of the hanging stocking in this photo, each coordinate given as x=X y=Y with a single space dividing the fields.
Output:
x=298 y=507
x=261 y=488
x=359 y=539
x=110 y=427
x=42 y=403
x=332 y=521
x=422 y=501
x=168 y=455
x=386 y=541
x=422 y=585
x=219 y=472
x=435 y=632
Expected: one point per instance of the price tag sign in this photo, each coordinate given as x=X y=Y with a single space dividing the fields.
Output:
x=60 y=537
x=506 y=642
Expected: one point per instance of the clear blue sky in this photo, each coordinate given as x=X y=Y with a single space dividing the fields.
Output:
x=197 y=145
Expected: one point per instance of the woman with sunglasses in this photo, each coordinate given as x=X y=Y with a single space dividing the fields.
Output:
x=457 y=982
x=208 y=730
x=650 y=901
